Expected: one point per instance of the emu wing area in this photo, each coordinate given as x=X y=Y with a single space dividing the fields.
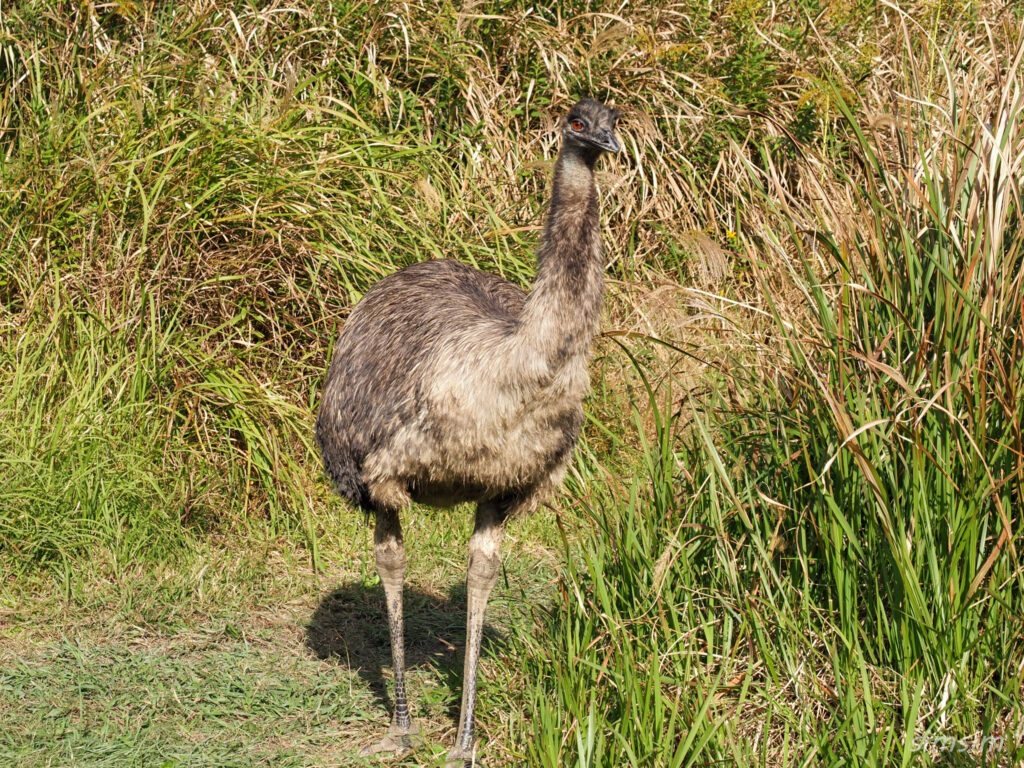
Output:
x=386 y=357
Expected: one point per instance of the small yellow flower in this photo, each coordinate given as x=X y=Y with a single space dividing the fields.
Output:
x=730 y=234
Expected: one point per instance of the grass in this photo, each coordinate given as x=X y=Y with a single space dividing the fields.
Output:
x=121 y=706
x=290 y=677
x=790 y=536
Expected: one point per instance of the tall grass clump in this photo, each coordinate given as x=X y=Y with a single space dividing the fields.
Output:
x=902 y=382
x=905 y=409
x=820 y=564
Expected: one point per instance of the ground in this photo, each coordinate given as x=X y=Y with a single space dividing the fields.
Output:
x=290 y=669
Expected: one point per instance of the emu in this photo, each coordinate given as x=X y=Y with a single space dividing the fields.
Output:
x=452 y=385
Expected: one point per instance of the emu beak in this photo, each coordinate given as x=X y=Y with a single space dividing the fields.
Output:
x=608 y=142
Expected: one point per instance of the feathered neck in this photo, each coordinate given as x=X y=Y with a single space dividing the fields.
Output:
x=563 y=310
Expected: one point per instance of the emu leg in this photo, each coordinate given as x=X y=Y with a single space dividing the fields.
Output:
x=389 y=553
x=484 y=561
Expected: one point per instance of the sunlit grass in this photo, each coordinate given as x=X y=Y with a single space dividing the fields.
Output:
x=790 y=537
x=817 y=563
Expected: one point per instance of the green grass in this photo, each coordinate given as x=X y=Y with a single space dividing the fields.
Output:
x=120 y=706
x=243 y=655
x=790 y=535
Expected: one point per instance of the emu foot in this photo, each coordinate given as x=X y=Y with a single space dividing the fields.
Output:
x=461 y=758
x=397 y=741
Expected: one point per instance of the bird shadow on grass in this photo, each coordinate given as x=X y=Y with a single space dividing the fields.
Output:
x=350 y=626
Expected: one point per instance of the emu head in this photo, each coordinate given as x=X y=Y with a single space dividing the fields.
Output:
x=589 y=129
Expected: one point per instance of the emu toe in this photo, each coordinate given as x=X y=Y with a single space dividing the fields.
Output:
x=461 y=758
x=397 y=741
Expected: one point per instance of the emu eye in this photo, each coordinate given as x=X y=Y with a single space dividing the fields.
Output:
x=577 y=125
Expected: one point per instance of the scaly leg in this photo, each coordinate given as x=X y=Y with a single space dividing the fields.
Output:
x=389 y=553
x=484 y=561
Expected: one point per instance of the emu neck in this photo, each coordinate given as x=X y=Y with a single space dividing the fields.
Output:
x=563 y=310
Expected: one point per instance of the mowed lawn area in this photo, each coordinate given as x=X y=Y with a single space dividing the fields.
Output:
x=254 y=659
x=791 y=533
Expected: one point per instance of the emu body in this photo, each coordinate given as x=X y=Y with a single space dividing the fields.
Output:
x=427 y=398
x=449 y=385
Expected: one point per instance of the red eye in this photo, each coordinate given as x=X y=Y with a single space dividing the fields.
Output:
x=577 y=125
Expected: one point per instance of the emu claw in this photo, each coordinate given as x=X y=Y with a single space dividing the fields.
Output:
x=461 y=758
x=397 y=741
